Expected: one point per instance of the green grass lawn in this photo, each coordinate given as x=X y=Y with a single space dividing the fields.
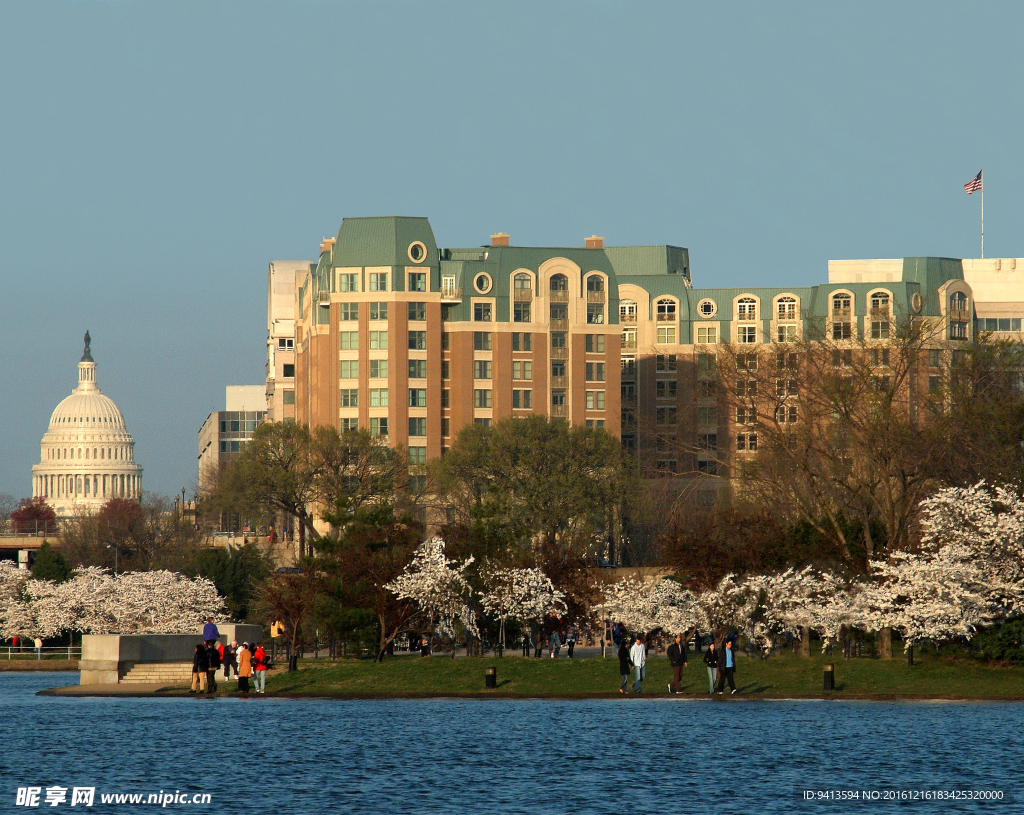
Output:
x=782 y=675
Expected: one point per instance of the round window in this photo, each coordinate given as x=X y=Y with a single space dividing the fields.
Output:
x=417 y=251
x=482 y=283
x=707 y=308
x=915 y=302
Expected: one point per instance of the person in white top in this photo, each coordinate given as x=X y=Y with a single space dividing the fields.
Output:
x=638 y=656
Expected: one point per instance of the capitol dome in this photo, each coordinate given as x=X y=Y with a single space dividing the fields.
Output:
x=87 y=455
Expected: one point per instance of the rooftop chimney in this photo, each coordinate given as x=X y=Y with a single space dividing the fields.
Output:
x=501 y=239
x=594 y=242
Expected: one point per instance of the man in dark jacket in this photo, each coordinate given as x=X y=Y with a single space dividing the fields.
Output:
x=677 y=658
x=200 y=663
x=726 y=667
x=711 y=663
x=213 y=665
x=625 y=666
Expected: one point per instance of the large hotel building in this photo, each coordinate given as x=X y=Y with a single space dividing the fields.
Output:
x=389 y=332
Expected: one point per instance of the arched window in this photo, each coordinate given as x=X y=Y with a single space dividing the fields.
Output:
x=559 y=282
x=841 y=304
x=786 y=308
x=522 y=282
x=666 y=310
x=595 y=283
x=958 y=301
x=627 y=311
x=746 y=308
x=880 y=303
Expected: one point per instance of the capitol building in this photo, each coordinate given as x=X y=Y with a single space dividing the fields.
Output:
x=87 y=454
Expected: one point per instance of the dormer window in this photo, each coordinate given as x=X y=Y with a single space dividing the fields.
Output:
x=746 y=308
x=786 y=308
x=666 y=310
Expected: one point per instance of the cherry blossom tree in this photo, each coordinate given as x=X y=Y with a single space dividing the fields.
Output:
x=525 y=595
x=440 y=589
x=797 y=602
x=651 y=605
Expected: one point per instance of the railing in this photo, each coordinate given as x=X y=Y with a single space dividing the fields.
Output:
x=629 y=344
x=559 y=382
x=29 y=651
x=323 y=297
x=522 y=295
x=557 y=296
x=558 y=324
x=559 y=353
x=957 y=315
x=451 y=293
x=559 y=411
x=841 y=314
x=596 y=297
x=669 y=318
x=627 y=318
x=880 y=313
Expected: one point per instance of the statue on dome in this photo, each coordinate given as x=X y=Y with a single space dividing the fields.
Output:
x=87 y=354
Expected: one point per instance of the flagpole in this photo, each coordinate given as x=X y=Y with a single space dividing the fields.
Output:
x=983 y=217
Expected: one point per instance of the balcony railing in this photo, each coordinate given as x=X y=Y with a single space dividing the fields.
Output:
x=559 y=382
x=559 y=296
x=451 y=294
x=627 y=318
x=629 y=344
x=560 y=411
x=522 y=295
x=559 y=353
x=323 y=297
x=841 y=314
x=957 y=316
x=668 y=318
x=595 y=297
x=559 y=324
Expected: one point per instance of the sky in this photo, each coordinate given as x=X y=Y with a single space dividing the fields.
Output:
x=155 y=157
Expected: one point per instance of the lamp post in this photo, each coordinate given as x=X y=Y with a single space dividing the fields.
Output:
x=114 y=547
x=182 y=503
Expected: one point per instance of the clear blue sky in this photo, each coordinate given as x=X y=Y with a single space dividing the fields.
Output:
x=155 y=156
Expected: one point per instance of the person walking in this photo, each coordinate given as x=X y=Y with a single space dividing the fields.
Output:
x=570 y=639
x=38 y=642
x=726 y=668
x=230 y=658
x=200 y=662
x=526 y=643
x=259 y=659
x=213 y=665
x=625 y=666
x=243 y=670
x=554 y=643
x=711 y=663
x=638 y=656
x=677 y=659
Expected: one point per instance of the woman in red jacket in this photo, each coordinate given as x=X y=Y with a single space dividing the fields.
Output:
x=260 y=661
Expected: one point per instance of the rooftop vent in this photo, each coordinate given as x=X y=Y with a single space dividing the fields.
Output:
x=501 y=239
x=594 y=242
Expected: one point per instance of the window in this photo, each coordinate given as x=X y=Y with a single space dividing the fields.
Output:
x=708 y=389
x=558 y=339
x=666 y=388
x=934 y=384
x=558 y=311
x=708 y=442
x=558 y=398
x=446 y=398
x=707 y=336
x=378 y=369
x=288 y=397
x=522 y=370
x=958 y=331
x=746 y=362
x=934 y=358
x=349 y=340
x=347 y=312
x=595 y=283
x=349 y=424
x=288 y=370
x=482 y=312
x=595 y=400
x=378 y=397
x=786 y=308
x=706 y=415
x=746 y=387
x=595 y=372
x=482 y=398
x=746 y=308
x=522 y=399
x=958 y=301
x=482 y=283
x=348 y=282
x=665 y=415
x=417 y=369
x=378 y=311
x=559 y=282
x=417 y=397
x=707 y=308
x=348 y=397
x=379 y=282
x=629 y=338
x=880 y=304
x=417 y=281
x=746 y=415
x=378 y=427
x=595 y=423
x=481 y=340
x=842 y=330
x=285 y=344
x=418 y=340
x=558 y=368
x=785 y=414
x=521 y=312
x=786 y=333
x=348 y=369
x=522 y=282
x=666 y=311
x=841 y=305
x=595 y=343
x=417 y=311
x=446 y=369
x=628 y=390
x=785 y=362
x=666 y=335
x=705 y=363
x=481 y=369
x=522 y=342
x=446 y=427
x=785 y=387
x=627 y=311
x=378 y=340
x=880 y=357
x=628 y=365
x=746 y=441
x=417 y=426
x=595 y=313
x=665 y=362
x=417 y=455
x=842 y=359
x=482 y=421
x=747 y=334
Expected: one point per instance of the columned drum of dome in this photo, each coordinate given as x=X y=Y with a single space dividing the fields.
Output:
x=87 y=455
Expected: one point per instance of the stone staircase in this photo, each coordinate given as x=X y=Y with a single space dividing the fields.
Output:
x=159 y=673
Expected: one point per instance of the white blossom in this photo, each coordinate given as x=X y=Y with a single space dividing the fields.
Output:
x=526 y=595
x=648 y=605
x=438 y=587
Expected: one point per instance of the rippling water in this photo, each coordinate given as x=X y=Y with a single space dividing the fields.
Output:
x=265 y=756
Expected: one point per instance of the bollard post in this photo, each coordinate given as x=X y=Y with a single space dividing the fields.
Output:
x=830 y=676
x=491 y=678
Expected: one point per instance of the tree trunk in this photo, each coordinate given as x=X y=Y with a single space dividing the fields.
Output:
x=805 y=642
x=885 y=643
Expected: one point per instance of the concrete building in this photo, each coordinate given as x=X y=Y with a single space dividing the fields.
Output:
x=280 y=390
x=225 y=433
x=87 y=455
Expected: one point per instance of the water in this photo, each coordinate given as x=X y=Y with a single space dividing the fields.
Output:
x=268 y=756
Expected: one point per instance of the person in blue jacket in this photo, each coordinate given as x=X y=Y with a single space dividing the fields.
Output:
x=726 y=667
x=210 y=632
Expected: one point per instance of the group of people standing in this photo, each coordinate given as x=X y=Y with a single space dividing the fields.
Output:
x=719 y=661
x=556 y=638
x=247 y=660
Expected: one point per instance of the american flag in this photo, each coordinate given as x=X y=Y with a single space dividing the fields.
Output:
x=974 y=184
